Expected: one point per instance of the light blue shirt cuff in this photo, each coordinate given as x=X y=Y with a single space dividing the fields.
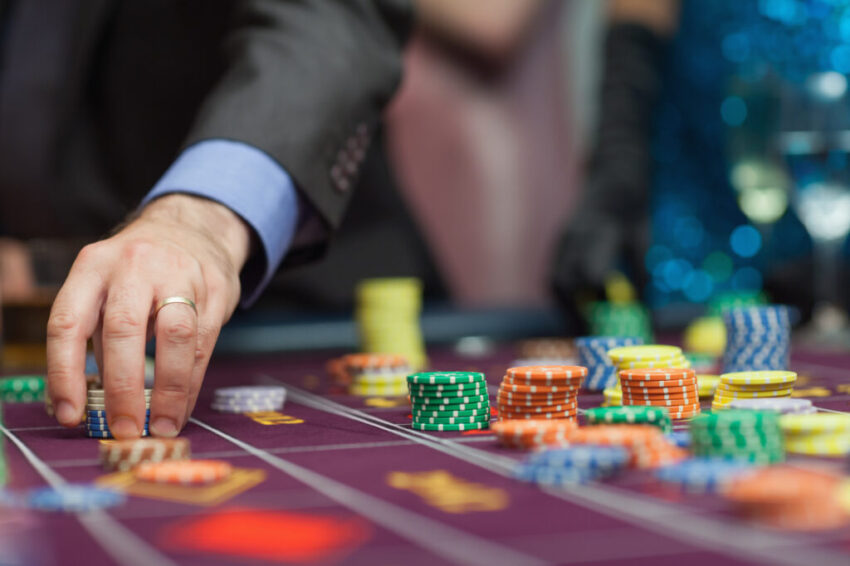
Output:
x=251 y=184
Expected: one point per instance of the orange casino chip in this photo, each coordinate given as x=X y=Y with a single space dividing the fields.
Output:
x=547 y=400
x=532 y=432
x=544 y=373
x=188 y=472
x=684 y=382
x=538 y=389
x=542 y=411
x=661 y=392
x=656 y=374
x=361 y=362
x=533 y=416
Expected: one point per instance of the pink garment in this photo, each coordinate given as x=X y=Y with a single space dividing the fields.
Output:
x=487 y=166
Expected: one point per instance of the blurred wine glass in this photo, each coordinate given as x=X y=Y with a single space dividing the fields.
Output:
x=814 y=139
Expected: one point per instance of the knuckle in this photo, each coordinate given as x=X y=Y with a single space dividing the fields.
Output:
x=120 y=323
x=121 y=390
x=179 y=333
x=174 y=388
x=62 y=322
x=137 y=250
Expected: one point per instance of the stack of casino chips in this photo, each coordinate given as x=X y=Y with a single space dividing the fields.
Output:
x=96 y=425
x=449 y=400
x=620 y=319
x=793 y=498
x=757 y=338
x=387 y=316
x=572 y=465
x=783 y=405
x=124 y=455
x=593 y=354
x=249 y=399
x=702 y=475
x=675 y=389
x=22 y=389
x=753 y=385
x=747 y=436
x=540 y=392
x=183 y=472
x=376 y=374
x=656 y=416
x=646 y=444
x=648 y=356
x=530 y=434
x=820 y=434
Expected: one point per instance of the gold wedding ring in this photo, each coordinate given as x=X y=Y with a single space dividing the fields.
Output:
x=174 y=300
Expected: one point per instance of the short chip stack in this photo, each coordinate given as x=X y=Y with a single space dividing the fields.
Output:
x=656 y=416
x=789 y=498
x=449 y=401
x=376 y=374
x=757 y=338
x=646 y=444
x=648 y=357
x=820 y=434
x=675 y=389
x=249 y=399
x=184 y=472
x=387 y=316
x=96 y=425
x=753 y=385
x=702 y=475
x=747 y=436
x=593 y=354
x=123 y=455
x=540 y=392
x=707 y=384
x=572 y=465
x=533 y=433
x=22 y=389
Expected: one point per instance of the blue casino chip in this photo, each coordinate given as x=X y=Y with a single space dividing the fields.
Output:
x=701 y=475
x=553 y=476
x=593 y=354
x=680 y=438
x=102 y=414
x=73 y=498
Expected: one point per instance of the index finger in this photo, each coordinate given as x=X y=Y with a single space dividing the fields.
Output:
x=73 y=318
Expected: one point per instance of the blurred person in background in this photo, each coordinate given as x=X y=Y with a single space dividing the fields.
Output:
x=717 y=159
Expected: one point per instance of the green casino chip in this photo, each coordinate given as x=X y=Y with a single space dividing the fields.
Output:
x=451 y=400
x=450 y=413
x=450 y=427
x=450 y=394
x=452 y=420
x=452 y=408
x=449 y=387
x=446 y=377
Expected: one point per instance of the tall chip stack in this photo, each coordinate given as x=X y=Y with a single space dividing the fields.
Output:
x=757 y=338
x=449 y=401
x=753 y=385
x=387 y=314
x=655 y=375
x=540 y=392
x=593 y=354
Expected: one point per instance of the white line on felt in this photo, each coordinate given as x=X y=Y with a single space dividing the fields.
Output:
x=643 y=512
x=452 y=544
x=119 y=542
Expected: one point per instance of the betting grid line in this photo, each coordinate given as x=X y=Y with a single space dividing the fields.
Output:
x=453 y=544
x=119 y=542
x=649 y=514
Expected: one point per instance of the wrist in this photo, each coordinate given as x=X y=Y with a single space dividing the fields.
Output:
x=211 y=219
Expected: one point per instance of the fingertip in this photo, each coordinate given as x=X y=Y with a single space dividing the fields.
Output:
x=124 y=428
x=67 y=414
x=164 y=427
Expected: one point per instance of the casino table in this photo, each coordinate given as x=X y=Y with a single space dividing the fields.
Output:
x=336 y=479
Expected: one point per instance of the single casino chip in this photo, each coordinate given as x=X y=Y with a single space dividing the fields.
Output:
x=446 y=377
x=759 y=377
x=451 y=408
x=538 y=389
x=537 y=410
x=363 y=362
x=660 y=391
x=452 y=420
x=643 y=353
x=783 y=405
x=674 y=362
x=469 y=413
x=448 y=387
x=449 y=427
x=184 y=472
x=642 y=384
x=448 y=394
x=102 y=406
x=531 y=375
x=816 y=423
x=656 y=374
x=102 y=413
x=416 y=398
x=73 y=498
x=107 y=434
x=125 y=455
x=504 y=415
x=98 y=393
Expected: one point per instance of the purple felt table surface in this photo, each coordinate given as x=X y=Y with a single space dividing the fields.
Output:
x=349 y=461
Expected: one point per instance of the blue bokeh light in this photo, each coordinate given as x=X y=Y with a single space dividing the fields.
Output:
x=747 y=279
x=733 y=110
x=745 y=241
x=697 y=286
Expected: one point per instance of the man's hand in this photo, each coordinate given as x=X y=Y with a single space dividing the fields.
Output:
x=180 y=245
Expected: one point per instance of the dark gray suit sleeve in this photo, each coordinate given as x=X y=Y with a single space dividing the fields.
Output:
x=306 y=83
